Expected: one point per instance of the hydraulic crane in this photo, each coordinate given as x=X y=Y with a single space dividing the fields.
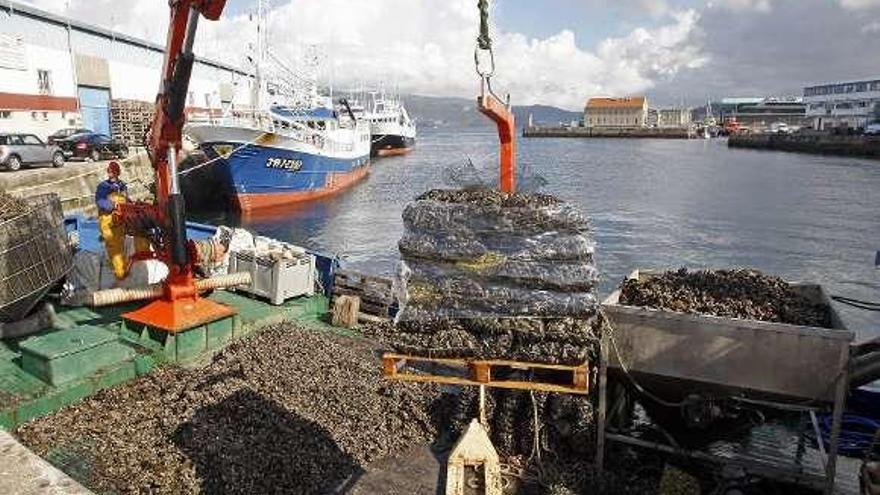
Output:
x=164 y=222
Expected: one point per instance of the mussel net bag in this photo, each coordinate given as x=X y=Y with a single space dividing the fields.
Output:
x=494 y=275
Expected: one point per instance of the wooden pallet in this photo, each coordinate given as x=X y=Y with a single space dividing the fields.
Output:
x=543 y=377
x=374 y=292
x=129 y=119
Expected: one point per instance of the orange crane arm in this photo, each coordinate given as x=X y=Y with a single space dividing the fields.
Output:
x=180 y=307
x=503 y=117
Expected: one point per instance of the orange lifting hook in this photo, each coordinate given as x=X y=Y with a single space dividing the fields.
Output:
x=501 y=114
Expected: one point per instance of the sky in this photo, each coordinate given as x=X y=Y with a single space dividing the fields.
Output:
x=555 y=52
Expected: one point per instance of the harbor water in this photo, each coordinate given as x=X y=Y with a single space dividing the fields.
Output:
x=654 y=204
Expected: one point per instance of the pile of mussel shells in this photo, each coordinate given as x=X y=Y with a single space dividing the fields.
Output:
x=290 y=410
x=735 y=293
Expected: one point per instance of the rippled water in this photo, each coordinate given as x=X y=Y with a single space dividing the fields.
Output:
x=654 y=203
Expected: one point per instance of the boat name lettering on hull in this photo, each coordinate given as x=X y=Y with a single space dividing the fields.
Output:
x=289 y=164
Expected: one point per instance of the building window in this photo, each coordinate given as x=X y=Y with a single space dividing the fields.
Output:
x=5 y=114
x=44 y=82
x=34 y=115
x=45 y=116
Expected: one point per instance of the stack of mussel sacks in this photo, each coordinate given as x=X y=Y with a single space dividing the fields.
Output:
x=491 y=275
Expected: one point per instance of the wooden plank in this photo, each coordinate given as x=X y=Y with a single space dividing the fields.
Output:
x=482 y=372
x=371 y=318
x=523 y=365
x=374 y=309
x=349 y=291
x=361 y=278
x=516 y=385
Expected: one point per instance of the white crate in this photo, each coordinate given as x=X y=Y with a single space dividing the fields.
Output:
x=276 y=279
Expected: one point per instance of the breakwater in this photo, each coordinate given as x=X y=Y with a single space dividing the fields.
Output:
x=817 y=143
x=605 y=132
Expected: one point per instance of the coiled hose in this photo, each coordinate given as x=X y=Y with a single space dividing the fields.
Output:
x=109 y=297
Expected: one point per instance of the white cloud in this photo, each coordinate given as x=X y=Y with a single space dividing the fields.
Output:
x=859 y=4
x=426 y=47
x=744 y=5
x=656 y=7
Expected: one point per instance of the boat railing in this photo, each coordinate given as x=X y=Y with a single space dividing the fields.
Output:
x=292 y=130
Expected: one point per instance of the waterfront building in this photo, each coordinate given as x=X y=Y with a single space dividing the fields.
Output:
x=616 y=112
x=653 y=117
x=673 y=118
x=56 y=72
x=850 y=103
x=760 y=114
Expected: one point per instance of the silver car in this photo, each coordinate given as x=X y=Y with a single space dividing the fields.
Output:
x=17 y=150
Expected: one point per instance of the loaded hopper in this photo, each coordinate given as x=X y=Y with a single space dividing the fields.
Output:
x=694 y=361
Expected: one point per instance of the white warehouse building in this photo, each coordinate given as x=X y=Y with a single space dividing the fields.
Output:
x=56 y=72
x=849 y=103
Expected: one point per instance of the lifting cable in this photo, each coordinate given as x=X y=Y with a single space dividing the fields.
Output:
x=484 y=44
x=857 y=303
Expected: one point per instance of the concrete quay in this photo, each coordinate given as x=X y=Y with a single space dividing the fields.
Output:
x=811 y=142
x=24 y=473
x=75 y=182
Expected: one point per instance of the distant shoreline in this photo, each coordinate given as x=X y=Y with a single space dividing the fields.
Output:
x=608 y=132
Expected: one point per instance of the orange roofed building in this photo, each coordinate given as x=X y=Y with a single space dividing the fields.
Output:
x=616 y=112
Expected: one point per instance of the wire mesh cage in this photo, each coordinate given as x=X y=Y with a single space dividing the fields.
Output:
x=34 y=252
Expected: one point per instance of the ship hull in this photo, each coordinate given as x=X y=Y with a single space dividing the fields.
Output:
x=265 y=176
x=392 y=144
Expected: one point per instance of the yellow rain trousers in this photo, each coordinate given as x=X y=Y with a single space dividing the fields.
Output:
x=114 y=240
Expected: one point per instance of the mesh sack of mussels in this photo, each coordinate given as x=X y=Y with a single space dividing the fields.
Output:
x=486 y=274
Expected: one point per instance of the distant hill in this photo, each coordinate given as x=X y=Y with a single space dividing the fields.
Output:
x=443 y=112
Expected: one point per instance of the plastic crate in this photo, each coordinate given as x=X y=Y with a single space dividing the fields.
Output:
x=276 y=279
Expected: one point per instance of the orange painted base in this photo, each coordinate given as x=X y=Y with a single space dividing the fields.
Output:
x=393 y=151
x=179 y=315
x=335 y=184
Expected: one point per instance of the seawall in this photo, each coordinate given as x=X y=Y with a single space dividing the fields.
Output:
x=817 y=143
x=596 y=132
x=75 y=182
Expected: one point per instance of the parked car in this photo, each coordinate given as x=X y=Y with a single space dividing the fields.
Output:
x=66 y=133
x=779 y=128
x=17 y=150
x=872 y=129
x=92 y=146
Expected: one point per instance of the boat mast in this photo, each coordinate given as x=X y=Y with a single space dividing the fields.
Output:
x=259 y=60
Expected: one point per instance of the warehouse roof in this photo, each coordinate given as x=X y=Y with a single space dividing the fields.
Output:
x=628 y=102
x=16 y=8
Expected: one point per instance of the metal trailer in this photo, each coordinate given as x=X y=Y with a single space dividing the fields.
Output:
x=787 y=366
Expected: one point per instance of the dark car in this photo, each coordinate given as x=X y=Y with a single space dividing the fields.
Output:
x=66 y=133
x=92 y=146
x=17 y=150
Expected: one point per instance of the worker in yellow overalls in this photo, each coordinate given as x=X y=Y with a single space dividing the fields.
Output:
x=108 y=194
